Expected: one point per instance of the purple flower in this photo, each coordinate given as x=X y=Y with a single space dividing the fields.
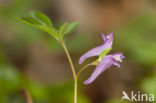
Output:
x=105 y=63
x=108 y=40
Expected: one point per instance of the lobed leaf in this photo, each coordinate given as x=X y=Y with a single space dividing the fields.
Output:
x=34 y=23
x=42 y=18
x=71 y=28
x=30 y=20
x=43 y=22
x=63 y=29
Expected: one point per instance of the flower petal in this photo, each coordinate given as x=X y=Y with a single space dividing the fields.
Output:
x=118 y=56
x=103 y=36
x=93 y=52
x=105 y=63
x=97 y=50
x=117 y=64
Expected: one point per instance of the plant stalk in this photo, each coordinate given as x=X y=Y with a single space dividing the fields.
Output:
x=75 y=76
x=73 y=71
x=83 y=68
x=70 y=60
x=75 y=91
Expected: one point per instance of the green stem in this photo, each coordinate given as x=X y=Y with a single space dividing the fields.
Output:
x=83 y=68
x=75 y=91
x=69 y=59
x=73 y=71
x=75 y=76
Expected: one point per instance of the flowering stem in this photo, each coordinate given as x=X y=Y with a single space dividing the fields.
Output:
x=83 y=68
x=69 y=59
x=75 y=76
x=75 y=91
x=73 y=70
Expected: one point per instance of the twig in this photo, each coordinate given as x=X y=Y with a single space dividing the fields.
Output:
x=26 y=95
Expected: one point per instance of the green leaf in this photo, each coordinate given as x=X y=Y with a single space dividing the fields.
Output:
x=71 y=27
x=42 y=18
x=34 y=23
x=49 y=30
x=30 y=21
x=104 y=53
x=42 y=22
x=63 y=29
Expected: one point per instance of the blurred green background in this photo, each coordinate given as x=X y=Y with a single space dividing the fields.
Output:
x=31 y=59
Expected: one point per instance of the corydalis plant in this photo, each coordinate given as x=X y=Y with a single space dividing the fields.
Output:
x=42 y=22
